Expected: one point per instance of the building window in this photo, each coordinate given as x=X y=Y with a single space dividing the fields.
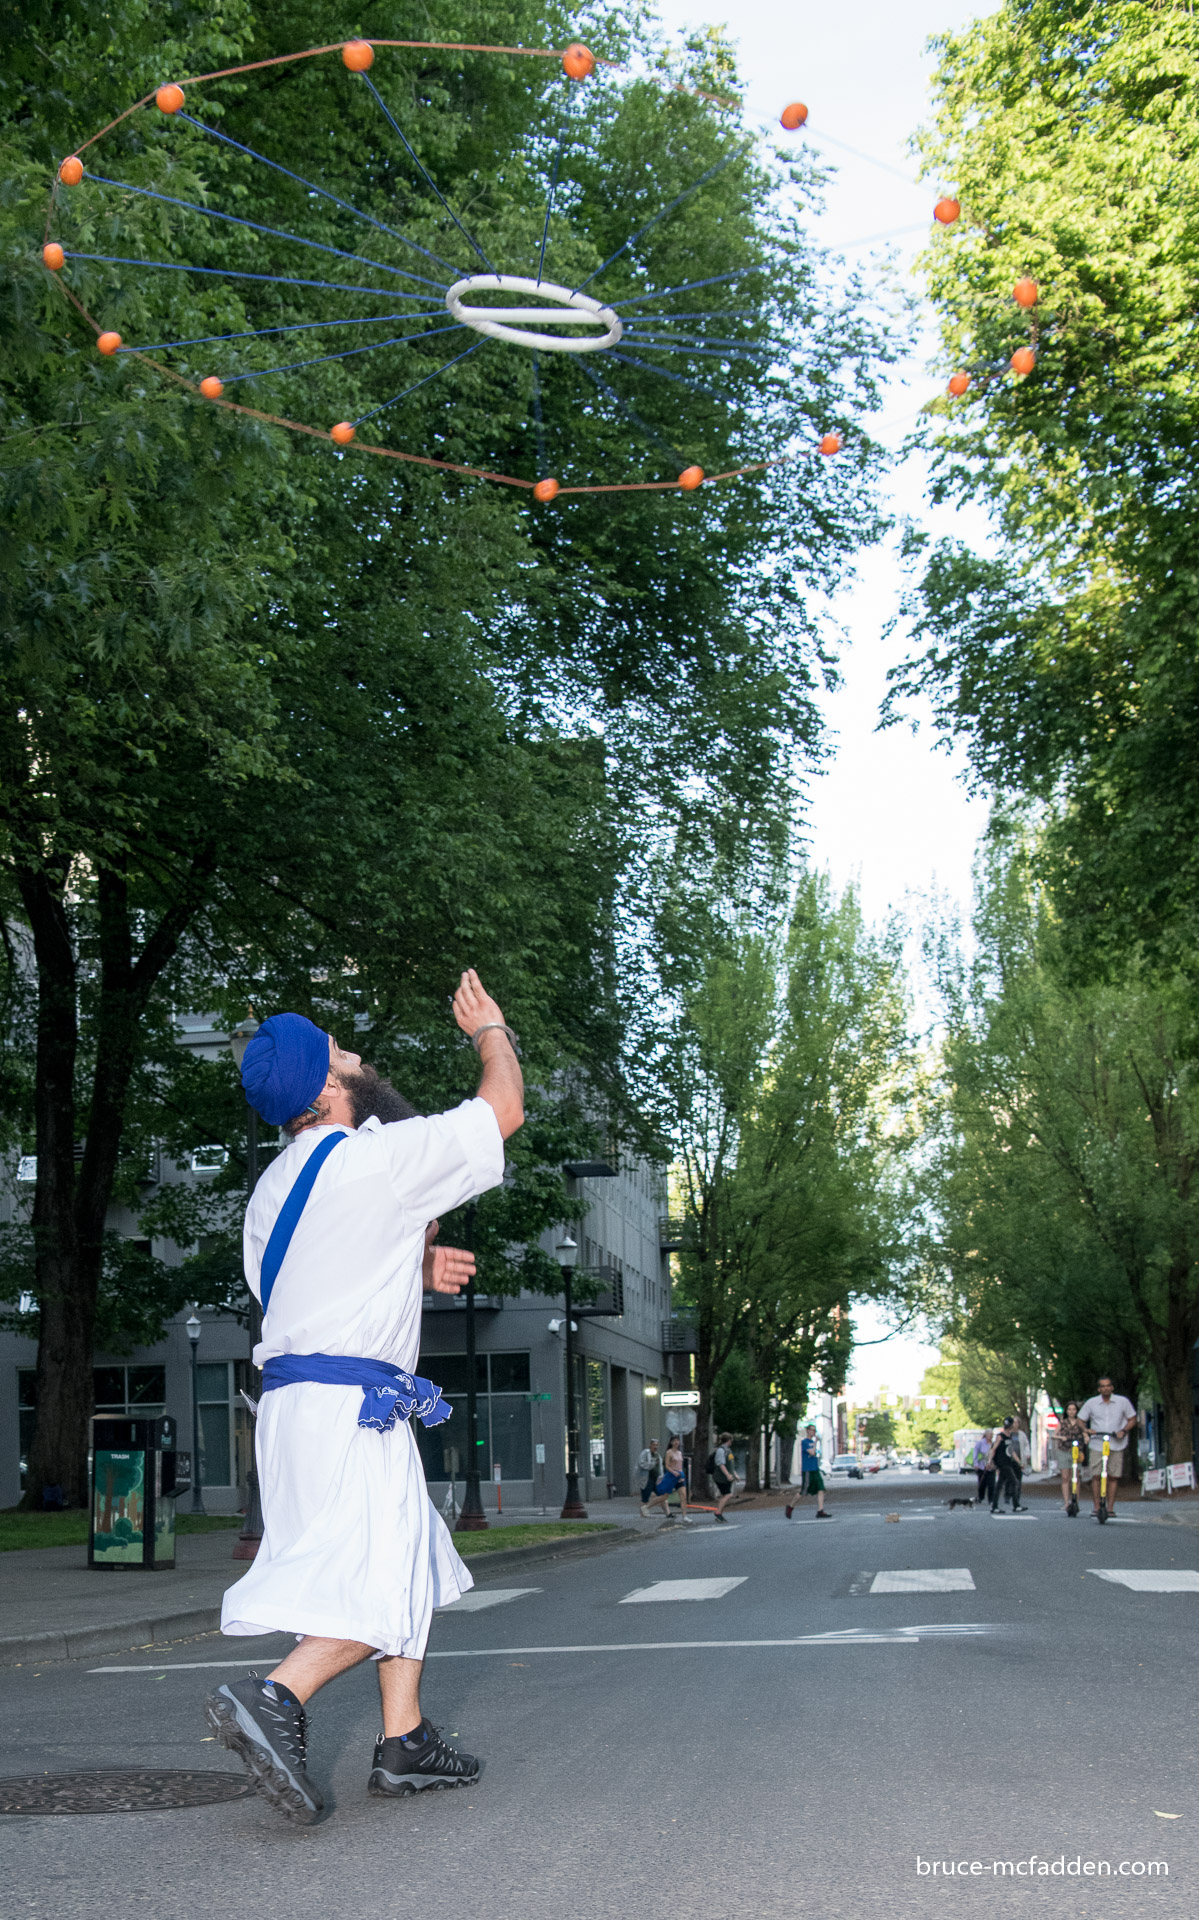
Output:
x=505 y=1427
x=216 y=1437
x=127 y=1390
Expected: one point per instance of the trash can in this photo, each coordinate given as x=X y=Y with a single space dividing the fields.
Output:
x=136 y=1475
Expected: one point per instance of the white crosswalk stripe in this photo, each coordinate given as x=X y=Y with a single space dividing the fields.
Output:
x=682 y=1590
x=1150 y=1579
x=480 y=1598
x=924 y=1580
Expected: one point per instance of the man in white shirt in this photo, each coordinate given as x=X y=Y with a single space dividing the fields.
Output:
x=1111 y=1414
x=649 y=1466
x=338 y=1236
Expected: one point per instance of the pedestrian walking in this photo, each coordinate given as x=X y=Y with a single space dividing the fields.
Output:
x=672 y=1479
x=981 y=1462
x=1110 y=1415
x=1003 y=1461
x=649 y=1465
x=338 y=1237
x=724 y=1475
x=1071 y=1433
x=811 y=1479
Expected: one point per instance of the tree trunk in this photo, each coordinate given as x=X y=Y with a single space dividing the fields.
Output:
x=58 y=1456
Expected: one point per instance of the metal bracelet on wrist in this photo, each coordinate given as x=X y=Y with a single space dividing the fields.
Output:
x=495 y=1026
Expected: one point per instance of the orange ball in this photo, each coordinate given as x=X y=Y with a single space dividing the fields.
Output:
x=169 y=99
x=53 y=255
x=1026 y=293
x=212 y=388
x=1023 y=360
x=793 y=117
x=958 y=384
x=578 y=60
x=343 y=433
x=108 y=342
x=947 y=210
x=358 y=55
x=691 y=478
x=71 y=170
x=831 y=443
x=545 y=491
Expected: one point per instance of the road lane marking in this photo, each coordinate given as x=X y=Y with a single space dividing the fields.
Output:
x=924 y=1580
x=682 y=1590
x=853 y=1637
x=480 y=1598
x=1150 y=1579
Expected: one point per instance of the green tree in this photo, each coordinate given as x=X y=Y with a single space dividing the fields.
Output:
x=880 y=1429
x=312 y=729
x=1067 y=1164
x=1065 y=660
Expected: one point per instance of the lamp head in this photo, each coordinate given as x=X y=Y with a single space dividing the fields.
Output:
x=193 y=1328
x=567 y=1253
x=241 y=1037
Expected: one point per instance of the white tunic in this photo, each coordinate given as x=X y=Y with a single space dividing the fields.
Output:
x=353 y=1548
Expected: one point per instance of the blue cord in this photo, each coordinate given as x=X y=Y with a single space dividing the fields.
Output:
x=373 y=346
x=396 y=128
x=678 y=200
x=313 y=188
x=237 y=273
x=257 y=333
x=630 y=360
x=256 y=226
x=438 y=371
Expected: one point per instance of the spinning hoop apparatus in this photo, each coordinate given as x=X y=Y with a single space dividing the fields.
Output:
x=566 y=321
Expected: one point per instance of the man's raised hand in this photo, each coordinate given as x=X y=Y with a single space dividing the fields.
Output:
x=473 y=1007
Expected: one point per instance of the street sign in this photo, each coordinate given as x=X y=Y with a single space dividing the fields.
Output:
x=680 y=1420
x=688 y=1398
x=530 y=1397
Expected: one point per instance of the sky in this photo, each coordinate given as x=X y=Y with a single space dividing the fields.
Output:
x=890 y=813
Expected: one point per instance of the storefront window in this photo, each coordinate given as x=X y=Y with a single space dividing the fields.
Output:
x=505 y=1429
x=597 y=1421
x=212 y=1398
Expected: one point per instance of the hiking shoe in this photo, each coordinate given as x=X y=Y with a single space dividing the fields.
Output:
x=822 y=1515
x=720 y=1517
x=417 y=1762
x=788 y=1511
x=267 y=1728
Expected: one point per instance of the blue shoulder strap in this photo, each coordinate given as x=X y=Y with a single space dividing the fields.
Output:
x=289 y=1215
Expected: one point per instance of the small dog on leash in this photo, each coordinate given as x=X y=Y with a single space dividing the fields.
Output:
x=960 y=1500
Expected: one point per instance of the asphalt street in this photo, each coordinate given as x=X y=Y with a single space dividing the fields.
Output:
x=817 y=1717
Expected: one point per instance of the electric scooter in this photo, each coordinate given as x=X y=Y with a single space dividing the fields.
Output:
x=1102 y=1511
x=1072 y=1506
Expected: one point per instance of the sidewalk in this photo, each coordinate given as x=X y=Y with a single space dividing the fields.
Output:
x=53 y=1606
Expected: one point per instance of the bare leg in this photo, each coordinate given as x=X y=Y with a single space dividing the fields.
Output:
x=399 y=1689
x=820 y=1501
x=314 y=1662
x=1065 y=1486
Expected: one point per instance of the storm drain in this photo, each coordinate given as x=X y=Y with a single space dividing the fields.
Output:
x=118 y=1790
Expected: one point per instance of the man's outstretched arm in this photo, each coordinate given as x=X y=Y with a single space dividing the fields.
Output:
x=502 y=1083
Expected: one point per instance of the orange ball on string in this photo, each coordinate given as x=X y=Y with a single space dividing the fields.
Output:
x=212 y=388
x=108 y=342
x=71 y=170
x=358 y=55
x=958 y=384
x=793 y=117
x=691 y=478
x=831 y=443
x=545 y=491
x=53 y=255
x=343 y=433
x=578 y=60
x=1026 y=293
x=947 y=210
x=169 y=99
x=1023 y=360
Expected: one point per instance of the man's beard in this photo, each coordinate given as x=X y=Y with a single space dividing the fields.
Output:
x=371 y=1096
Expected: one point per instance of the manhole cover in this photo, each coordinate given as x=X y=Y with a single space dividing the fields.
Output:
x=118 y=1790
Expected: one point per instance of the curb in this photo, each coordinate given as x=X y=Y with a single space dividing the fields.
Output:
x=130 y=1635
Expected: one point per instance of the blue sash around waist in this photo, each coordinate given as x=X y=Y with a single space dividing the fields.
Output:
x=388 y=1393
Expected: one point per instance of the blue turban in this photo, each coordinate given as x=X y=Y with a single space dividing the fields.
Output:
x=284 y=1067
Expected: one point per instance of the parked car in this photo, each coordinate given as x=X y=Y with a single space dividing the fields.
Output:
x=847 y=1463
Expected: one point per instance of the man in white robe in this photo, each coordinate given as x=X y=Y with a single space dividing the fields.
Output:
x=354 y=1556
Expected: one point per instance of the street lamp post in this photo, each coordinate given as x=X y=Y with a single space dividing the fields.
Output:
x=246 y=1545
x=193 y=1334
x=572 y=1508
x=473 y=1518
